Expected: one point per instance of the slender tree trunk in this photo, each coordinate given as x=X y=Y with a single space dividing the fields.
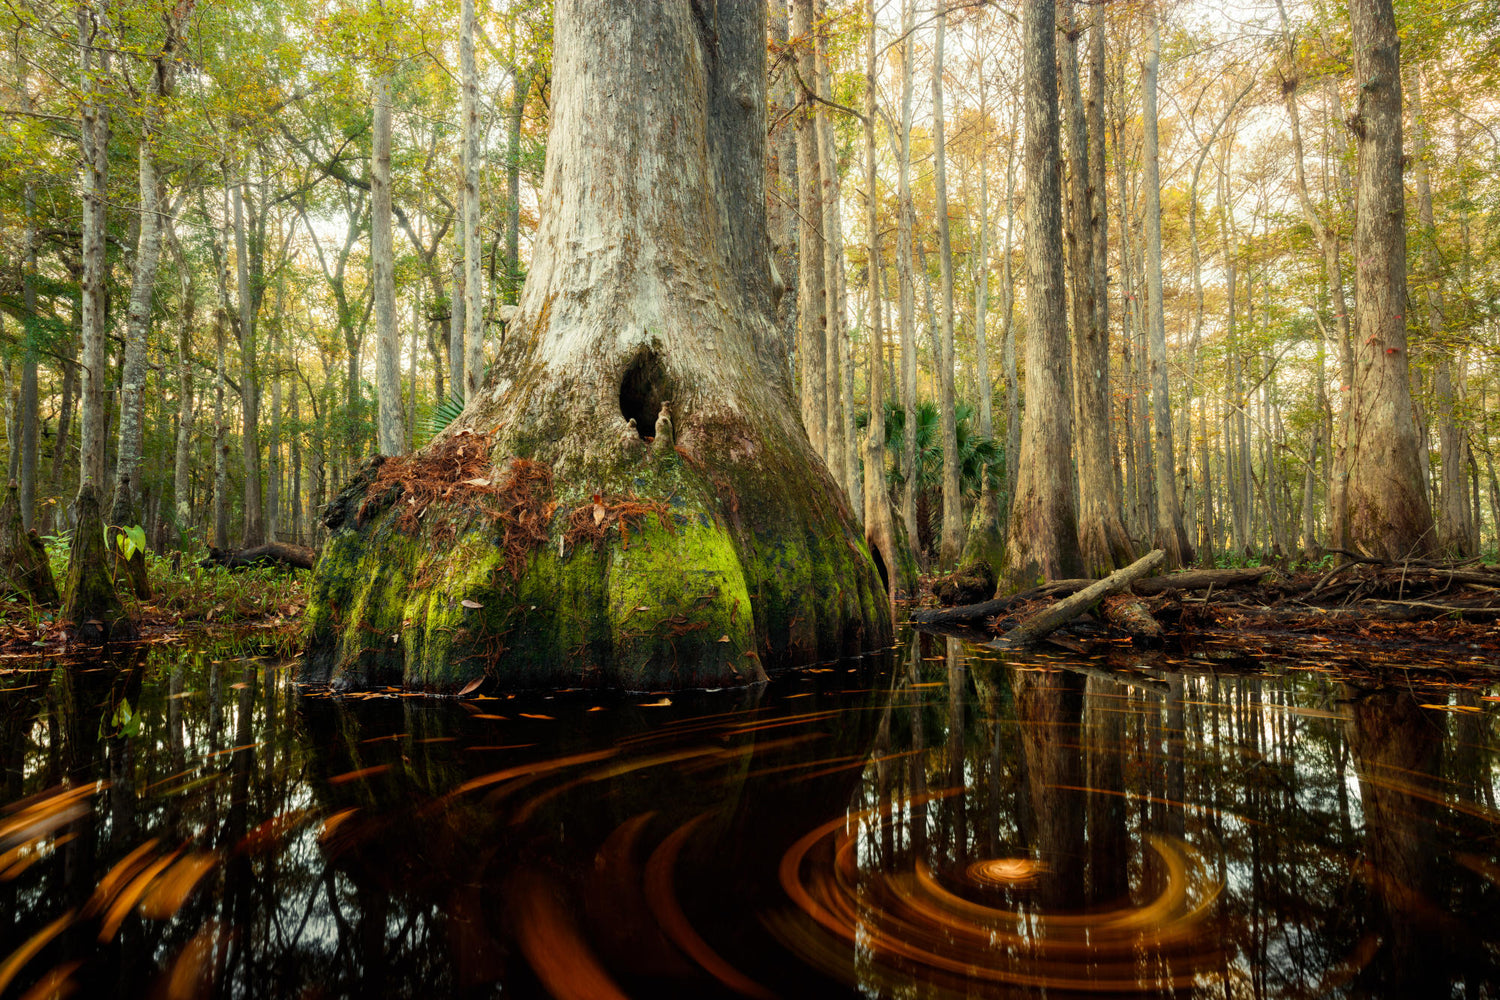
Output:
x=1389 y=515
x=1043 y=535
x=221 y=435
x=982 y=270
x=457 y=324
x=1102 y=540
x=907 y=303
x=812 y=304
x=182 y=469
x=296 y=450
x=249 y=380
x=473 y=355
x=897 y=565
x=1008 y=331
x=94 y=70
x=390 y=421
x=1452 y=513
x=1170 y=534
x=952 y=543
x=30 y=418
x=511 y=287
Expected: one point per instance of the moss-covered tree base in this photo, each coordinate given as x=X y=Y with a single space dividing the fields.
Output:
x=651 y=578
x=89 y=601
x=25 y=571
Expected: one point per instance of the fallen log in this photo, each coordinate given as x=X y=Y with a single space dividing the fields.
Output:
x=1199 y=579
x=270 y=554
x=1130 y=614
x=1058 y=614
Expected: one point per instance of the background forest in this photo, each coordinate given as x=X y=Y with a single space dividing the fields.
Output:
x=273 y=239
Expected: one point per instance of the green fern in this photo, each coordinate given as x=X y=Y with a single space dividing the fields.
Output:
x=443 y=414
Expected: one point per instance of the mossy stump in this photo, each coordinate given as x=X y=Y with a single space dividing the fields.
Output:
x=25 y=571
x=90 y=602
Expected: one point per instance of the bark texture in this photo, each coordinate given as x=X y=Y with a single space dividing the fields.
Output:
x=1389 y=516
x=1043 y=535
x=391 y=422
x=1102 y=540
x=649 y=299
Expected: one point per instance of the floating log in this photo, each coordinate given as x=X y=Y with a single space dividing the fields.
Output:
x=270 y=554
x=1058 y=614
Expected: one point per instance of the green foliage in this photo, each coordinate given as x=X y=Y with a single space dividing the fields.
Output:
x=129 y=541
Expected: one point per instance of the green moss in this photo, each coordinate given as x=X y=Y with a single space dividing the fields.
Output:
x=736 y=578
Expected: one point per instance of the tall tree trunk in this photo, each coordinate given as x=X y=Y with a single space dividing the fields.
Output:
x=457 y=324
x=1453 y=534
x=30 y=418
x=254 y=533
x=221 y=434
x=781 y=205
x=473 y=285
x=94 y=70
x=667 y=312
x=1008 y=329
x=1102 y=540
x=843 y=455
x=182 y=468
x=511 y=287
x=812 y=304
x=1389 y=515
x=1043 y=533
x=295 y=505
x=952 y=544
x=1170 y=534
x=894 y=558
x=907 y=302
x=390 y=420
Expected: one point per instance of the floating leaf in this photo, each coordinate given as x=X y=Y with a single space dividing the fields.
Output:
x=471 y=686
x=657 y=704
x=529 y=715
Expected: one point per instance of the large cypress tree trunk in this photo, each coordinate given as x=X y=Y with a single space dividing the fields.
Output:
x=1102 y=540
x=1389 y=515
x=554 y=546
x=1043 y=534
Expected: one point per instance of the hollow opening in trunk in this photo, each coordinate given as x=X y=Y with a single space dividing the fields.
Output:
x=885 y=576
x=643 y=388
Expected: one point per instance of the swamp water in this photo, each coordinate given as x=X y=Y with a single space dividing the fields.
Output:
x=932 y=821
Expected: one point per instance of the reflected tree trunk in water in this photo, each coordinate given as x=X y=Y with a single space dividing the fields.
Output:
x=1109 y=841
x=1049 y=708
x=917 y=762
x=1397 y=746
x=958 y=689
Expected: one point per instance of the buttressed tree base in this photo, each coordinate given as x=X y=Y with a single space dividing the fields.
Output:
x=631 y=500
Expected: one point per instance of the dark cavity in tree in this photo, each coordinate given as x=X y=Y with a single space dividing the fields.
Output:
x=643 y=388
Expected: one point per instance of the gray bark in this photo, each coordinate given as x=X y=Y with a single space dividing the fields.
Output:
x=1043 y=532
x=952 y=542
x=390 y=420
x=907 y=304
x=812 y=305
x=473 y=354
x=1170 y=534
x=94 y=71
x=1389 y=515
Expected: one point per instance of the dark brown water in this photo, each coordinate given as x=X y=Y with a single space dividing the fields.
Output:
x=932 y=821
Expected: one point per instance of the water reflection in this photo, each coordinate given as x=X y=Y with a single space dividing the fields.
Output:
x=936 y=821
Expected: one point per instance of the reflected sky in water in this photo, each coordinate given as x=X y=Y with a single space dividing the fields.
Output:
x=932 y=821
